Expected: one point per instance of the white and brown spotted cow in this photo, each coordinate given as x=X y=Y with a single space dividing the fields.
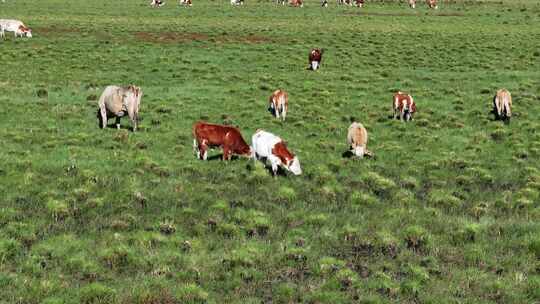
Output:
x=357 y=138
x=502 y=103
x=296 y=3
x=185 y=2
x=279 y=103
x=315 y=58
x=432 y=4
x=412 y=3
x=403 y=106
x=272 y=148
x=17 y=27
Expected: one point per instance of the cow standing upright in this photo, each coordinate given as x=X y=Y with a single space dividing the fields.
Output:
x=237 y=2
x=315 y=58
x=403 y=106
x=157 y=3
x=359 y=3
x=185 y=2
x=502 y=104
x=279 y=103
x=17 y=27
x=118 y=101
x=357 y=138
x=324 y=3
x=212 y=135
x=267 y=145
x=412 y=3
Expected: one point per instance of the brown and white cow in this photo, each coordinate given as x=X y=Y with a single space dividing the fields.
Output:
x=15 y=26
x=502 y=104
x=412 y=3
x=296 y=3
x=185 y=2
x=157 y=3
x=359 y=3
x=403 y=106
x=432 y=4
x=279 y=103
x=212 y=135
x=272 y=148
x=357 y=138
x=315 y=58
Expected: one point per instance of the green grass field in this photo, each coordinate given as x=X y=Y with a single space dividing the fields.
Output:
x=447 y=212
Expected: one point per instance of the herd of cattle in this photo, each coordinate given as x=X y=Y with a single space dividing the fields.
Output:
x=116 y=102
x=300 y=3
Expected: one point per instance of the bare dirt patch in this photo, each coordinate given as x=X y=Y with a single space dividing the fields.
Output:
x=177 y=37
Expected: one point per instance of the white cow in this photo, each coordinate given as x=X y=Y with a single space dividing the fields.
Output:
x=15 y=26
x=267 y=145
x=117 y=102
x=357 y=138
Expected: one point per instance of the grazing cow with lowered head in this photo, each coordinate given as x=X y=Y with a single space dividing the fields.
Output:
x=432 y=4
x=296 y=3
x=118 y=101
x=227 y=137
x=15 y=26
x=404 y=106
x=315 y=58
x=157 y=3
x=279 y=103
x=357 y=138
x=267 y=145
x=502 y=103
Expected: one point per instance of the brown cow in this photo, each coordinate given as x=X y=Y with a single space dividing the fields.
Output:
x=279 y=103
x=212 y=135
x=315 y=58
x=403 y=106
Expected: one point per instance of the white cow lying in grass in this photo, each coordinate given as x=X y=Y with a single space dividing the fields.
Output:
x=357 y=138
x=117 y=102
x=15 y=26
x=267 y=145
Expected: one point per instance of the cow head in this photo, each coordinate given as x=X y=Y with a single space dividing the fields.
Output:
x=24 y=31
x=293 y=165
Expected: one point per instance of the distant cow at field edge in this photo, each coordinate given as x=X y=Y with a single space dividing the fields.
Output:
x=296 y=3
x=185 y=2
x=212 y=135
x=403 y=106
x=412 y=3
x=157 y=3
x=432 y=4
x=237 y=2
x=118 y=101
x=269 y=146
x=357 y=138
x=502 y=104
x=17 y=27
x=279 y=103
x=315 y=58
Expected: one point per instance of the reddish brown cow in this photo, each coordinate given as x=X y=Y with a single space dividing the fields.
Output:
x=297 y=3
x=432 y=4
x=403 y=105
x=212 y=135
x=359 y=3
x=315 y=58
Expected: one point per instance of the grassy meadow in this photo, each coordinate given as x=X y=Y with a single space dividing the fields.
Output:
x=448 y=210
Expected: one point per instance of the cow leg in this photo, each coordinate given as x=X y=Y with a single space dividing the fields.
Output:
x=498 y=106
x=118 y=123
x=274 y=162
x=203 y=150
x=283 y=113
x=103 y=113
x=226 y=153
x=196 y=149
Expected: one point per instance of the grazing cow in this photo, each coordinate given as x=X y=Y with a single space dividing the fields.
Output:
x=186 y=2
x=296 y=3
x=282 y=2
x=359 y=3
x=412 y=3
x=157 y=3
x=269 y=146
x=279 y=103
x=15 y=26
x=404 y=106
x=324 y=3
x=211 y=135
x=357 y=138
x=502 y=103
x=432 y=4
x=237 y=2
x=117 y=102
x=315 y=58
